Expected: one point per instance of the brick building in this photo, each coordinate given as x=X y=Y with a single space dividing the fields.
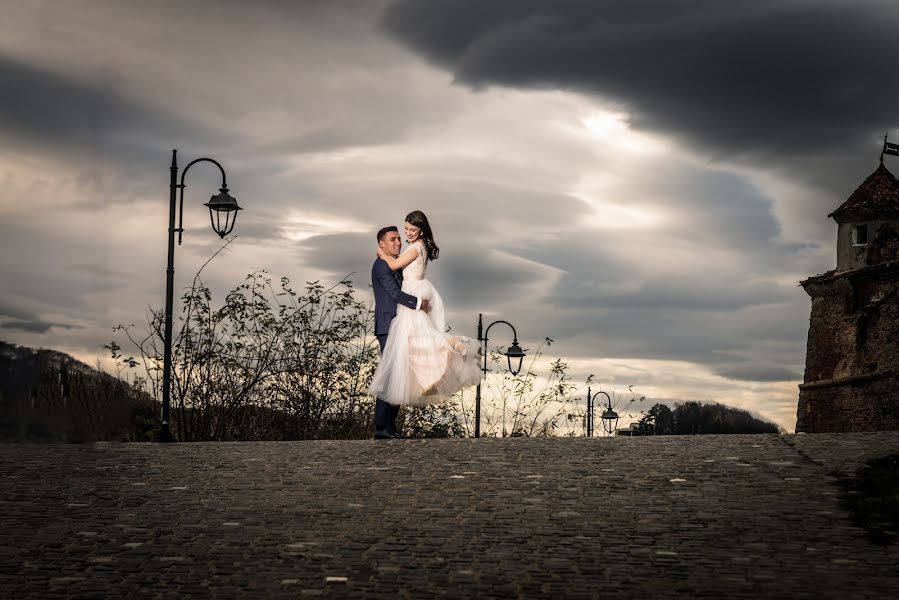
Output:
x=851 y=378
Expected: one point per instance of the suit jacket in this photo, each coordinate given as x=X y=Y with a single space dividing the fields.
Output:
x=386 y=285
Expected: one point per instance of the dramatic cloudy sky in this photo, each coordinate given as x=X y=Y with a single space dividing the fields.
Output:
x=644 y=182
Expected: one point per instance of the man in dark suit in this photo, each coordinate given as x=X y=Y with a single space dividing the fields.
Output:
x=387 y=286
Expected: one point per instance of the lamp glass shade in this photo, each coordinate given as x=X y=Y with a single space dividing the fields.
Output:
x=609 y=420
x=223 y=212
x=515 y=355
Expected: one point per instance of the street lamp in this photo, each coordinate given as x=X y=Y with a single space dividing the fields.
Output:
x=514 y=353
x=223 y=214
x=609 y=416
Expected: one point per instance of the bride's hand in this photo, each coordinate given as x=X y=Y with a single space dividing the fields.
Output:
x=381 y=253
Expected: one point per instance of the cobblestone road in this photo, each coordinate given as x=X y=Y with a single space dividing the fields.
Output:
x=705 y=516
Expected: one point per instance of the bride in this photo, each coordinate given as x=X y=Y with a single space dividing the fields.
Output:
x=421 y=364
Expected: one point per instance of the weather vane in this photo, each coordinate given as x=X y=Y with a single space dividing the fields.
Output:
x=888 y=148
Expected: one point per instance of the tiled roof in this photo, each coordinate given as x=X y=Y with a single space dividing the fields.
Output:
x=877 y=196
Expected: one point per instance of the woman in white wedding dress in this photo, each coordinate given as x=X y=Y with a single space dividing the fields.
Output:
x=421 y=364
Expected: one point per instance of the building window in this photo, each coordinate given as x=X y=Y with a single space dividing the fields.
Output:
x=860 y=235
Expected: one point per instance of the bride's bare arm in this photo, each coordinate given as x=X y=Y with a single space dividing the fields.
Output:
x=402 y=260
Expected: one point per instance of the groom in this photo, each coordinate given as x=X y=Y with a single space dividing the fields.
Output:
x=386 y=285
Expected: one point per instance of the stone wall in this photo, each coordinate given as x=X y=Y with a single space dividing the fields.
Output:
x=851 y=256
x=870 y=405
x=852 y=360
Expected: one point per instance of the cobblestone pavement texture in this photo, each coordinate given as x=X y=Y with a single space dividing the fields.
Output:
x=740 y=516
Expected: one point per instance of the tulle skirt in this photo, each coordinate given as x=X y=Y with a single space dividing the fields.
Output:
x=420 y=363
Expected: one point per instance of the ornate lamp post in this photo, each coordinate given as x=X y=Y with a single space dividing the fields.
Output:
x=609 y=416
x=514 y=353
x=223 y=214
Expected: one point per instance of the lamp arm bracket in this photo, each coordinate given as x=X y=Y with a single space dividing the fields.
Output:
x=604 y=394
x=514 y=333
x=181 y=185
x=195 y=161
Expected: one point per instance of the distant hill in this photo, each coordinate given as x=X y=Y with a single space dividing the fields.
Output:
x=49 y=395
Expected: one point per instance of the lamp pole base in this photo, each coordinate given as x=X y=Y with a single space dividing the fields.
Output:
x=164 y=436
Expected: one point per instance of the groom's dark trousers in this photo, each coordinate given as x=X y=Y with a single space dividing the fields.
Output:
x=385 y=414
x=387 y=285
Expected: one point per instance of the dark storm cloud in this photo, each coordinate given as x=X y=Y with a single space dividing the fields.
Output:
x=761 y=373
x=15 y=317
x=473 y=281
x=710 y=338
x=35 y=326
x=342 y=255
x=59 y=112
x=680 y=294
x=717 y=207
x=467 y=280
x=749 y=80
x=724 y=222
x=765 y=340
x=14 y=311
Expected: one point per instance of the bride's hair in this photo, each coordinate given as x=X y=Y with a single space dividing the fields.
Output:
x=418 y=218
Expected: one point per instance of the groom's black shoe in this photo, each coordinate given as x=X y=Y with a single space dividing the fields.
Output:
x=397 y=435
x=388 y=433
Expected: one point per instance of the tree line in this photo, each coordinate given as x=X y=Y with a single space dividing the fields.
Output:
x=690 y=418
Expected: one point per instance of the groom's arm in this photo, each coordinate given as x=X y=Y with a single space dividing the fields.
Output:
x=385 y=277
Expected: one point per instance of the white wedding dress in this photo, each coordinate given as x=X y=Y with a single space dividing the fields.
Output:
x=421 y=364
